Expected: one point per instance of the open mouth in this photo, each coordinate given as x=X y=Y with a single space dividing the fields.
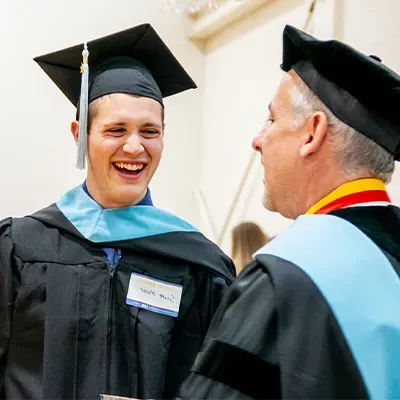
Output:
x=129 y=169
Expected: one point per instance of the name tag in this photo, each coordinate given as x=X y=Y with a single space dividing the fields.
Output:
x=154 y=295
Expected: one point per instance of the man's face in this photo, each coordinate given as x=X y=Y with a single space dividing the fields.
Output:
x=279 y=143
x=125 y=144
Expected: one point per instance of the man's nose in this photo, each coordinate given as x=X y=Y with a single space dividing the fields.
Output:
x=133 y=144
x=256 y=143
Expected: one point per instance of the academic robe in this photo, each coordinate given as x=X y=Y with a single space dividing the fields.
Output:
x=67 y=330
x=275 y=335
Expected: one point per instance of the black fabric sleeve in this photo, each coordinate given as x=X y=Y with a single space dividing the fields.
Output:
x=206 y=291
x=7 y=295
x=239 y=357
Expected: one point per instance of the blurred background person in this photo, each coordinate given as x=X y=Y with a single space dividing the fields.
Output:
x=247 y=238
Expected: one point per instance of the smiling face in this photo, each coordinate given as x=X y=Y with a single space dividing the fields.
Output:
x=125 y=145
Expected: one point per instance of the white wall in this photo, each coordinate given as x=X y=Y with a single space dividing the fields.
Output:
x=37 y=160
x=237 y=77
x=373 y=27
x=241 y=75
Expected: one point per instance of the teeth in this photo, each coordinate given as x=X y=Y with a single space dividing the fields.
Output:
x=130 y=167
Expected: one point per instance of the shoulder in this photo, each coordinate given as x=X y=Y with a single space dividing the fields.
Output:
x=311 y=250
x=198 y=249
x=284 y=273
x=277 y=283
x=13 y=228
x=38 y=240
x=15 y=234
x=21 y=234
x=303 y=310
x=297 y=296
x=26 y=229
x=5 y=235
x=25 y=225
x=5 y=225
x=185 y=241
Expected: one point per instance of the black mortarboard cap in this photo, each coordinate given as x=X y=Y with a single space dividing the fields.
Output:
x=134 y=61
x=359 y=89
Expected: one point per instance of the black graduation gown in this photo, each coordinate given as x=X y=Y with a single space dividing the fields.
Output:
x=257 y=347
x=66 y=331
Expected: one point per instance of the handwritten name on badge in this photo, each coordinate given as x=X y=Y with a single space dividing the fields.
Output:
x=154 y=295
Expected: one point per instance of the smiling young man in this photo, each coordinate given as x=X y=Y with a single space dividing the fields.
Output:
x=125 y=148
x=102 y=292
x=316 y=314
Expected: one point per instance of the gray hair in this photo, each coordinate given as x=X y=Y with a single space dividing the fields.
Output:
x=354 y=150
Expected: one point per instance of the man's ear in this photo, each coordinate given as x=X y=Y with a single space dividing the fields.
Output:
x=75 y=130
x=316 y=129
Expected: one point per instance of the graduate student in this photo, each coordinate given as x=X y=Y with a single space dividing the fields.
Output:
x=102 y=292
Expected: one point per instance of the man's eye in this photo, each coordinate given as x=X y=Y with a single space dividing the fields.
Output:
x=150 y=132
x=269 y=121
x=116 y=130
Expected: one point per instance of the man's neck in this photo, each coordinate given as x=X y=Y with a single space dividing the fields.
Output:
x=318 y=189
x=145 y=201
x=319 y=178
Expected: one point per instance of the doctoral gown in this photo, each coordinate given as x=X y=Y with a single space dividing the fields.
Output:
x=275 y=335
x=67 y=330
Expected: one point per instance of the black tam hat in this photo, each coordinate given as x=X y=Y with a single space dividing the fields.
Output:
x=359 y=89
x=134 y=61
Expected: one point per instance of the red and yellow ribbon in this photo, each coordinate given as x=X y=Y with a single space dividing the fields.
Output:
x=352 y=193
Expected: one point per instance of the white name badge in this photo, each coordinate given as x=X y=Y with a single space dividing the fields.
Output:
x=154 y=295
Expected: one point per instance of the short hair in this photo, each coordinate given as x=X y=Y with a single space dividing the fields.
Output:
x=353 y=149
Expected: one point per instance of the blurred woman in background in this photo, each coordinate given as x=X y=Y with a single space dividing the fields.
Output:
x=247 y=238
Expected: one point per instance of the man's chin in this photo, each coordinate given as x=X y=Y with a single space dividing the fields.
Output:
x=130 y=196
x=267 y=203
